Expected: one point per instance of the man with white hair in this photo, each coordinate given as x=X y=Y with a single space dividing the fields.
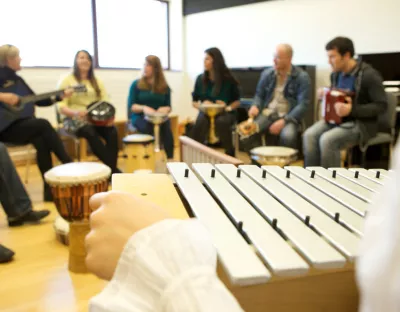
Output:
x=282 y=99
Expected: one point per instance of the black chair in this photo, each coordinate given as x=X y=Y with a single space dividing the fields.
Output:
x=386 y=134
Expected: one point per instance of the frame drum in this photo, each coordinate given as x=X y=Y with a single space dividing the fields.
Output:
x=139 y=152
x=274 y=155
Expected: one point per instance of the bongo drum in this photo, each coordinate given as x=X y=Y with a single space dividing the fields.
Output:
x=139 y=152
x=157 y=119
x=273 y=155
x=212 y=110
x=72 y=185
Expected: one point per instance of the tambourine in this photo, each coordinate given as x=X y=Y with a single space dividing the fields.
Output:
x=247 y=128
x=100 y=113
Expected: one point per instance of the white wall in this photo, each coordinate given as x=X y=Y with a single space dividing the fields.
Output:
x=248 y=34
x=117 y=82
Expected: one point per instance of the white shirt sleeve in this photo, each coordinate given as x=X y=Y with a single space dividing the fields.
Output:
x=378 y=266
x=170 y=267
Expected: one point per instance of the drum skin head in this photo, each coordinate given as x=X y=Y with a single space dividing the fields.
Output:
x=274 y=151
x=77 y=173
x=138 y=138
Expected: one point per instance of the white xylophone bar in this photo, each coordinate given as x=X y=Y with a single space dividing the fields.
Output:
x=373 y=176
x=241 y=263
x=347 y=199
x=384 y=172
x=355 y=189
x=340 y=237
x=281 y=258
x=327 y=204
x=318 y=252
x=357 y=178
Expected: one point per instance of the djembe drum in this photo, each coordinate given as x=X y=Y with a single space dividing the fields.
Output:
x=273 y=155
x=157 y=119
x=72 y=186
x=139 y=152
x=212 y=110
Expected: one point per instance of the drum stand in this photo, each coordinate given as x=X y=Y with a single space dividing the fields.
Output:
x=77 y=251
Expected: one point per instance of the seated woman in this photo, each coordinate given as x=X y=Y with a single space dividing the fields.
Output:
x=22 y=127
x=75 y=107
x=148 y=95
x=216 y=85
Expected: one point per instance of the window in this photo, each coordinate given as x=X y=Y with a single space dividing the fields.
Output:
x=51 y=32
x=130 y=31
x=44 y=31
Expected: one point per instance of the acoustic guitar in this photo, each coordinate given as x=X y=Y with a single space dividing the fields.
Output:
x=23 y=100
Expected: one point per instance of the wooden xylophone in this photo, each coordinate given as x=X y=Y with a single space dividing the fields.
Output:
x=194 y=152
x=287 y=238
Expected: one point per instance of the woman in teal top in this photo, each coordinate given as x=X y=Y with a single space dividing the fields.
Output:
x=148 y=95
x=216 y=85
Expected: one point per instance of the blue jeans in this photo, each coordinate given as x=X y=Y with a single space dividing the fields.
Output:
x=323 y=142
x=13 y=196
x=166 y=137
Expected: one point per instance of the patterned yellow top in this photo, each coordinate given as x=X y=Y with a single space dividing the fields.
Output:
x=80 y=100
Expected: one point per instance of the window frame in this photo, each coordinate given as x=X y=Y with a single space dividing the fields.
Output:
x=96 y=47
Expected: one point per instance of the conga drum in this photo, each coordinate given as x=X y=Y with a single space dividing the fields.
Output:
x=212 y=110
x=273 y=155
x=139 y=152
x=72 y=185
x=157 y=119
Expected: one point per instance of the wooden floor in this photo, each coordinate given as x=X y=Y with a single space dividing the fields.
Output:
x=38 y=279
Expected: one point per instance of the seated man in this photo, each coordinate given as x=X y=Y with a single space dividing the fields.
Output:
x=14 y=199
x=323 y=141
x=281 y=100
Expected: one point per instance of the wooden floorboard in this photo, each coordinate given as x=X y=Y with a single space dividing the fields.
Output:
x=38 y=279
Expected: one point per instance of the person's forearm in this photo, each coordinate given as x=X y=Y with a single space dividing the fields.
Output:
x=68 y=112
x=196 y=104
x=137 y=108
x=166 y=108
x=170 y=266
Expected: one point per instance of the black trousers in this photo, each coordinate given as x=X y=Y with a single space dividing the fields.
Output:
x=166 y=136
x=108 y=152
x=223 y=128
x=41 y=134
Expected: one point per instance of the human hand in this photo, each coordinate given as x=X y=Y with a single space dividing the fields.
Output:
x=115 y=218
x=163 y=110
x=277 y=126
x=221 y=103
x=148 y=110
x=253 y=111
x=9 y=98
x=207 y=102
x=344 y=109
x=320 y=93
x=67 y=93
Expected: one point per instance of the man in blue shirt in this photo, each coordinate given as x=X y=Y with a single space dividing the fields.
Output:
x=323 y=141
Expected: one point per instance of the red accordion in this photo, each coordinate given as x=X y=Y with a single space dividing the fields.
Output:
x=330 y=97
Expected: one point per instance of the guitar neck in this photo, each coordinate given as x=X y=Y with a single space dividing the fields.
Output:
x=40 y=97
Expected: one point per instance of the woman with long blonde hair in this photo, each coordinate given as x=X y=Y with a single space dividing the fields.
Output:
x=23 y=127
x=150 y=94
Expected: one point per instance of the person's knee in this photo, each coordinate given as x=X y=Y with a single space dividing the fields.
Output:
x=43 y=124
x=327 y=142
x=289 y=135
x=87 y=132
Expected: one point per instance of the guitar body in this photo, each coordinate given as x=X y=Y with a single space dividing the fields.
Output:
x=8 y=116
x=26 y=106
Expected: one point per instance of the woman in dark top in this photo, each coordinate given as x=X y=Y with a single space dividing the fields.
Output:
x=23 y=127
x=216 y=85
x=148 y=95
